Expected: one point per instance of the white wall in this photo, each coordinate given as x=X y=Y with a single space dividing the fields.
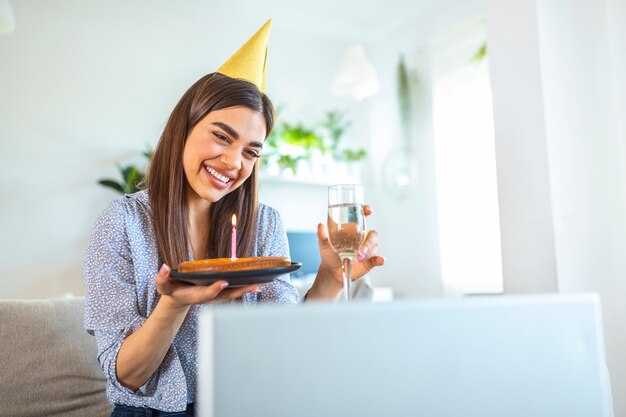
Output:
x=587 y=163
x=572 y=145
x=528 y=257
x=410 y=237
x=85 y=85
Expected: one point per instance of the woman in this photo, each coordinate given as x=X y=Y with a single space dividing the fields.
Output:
x=204 y=169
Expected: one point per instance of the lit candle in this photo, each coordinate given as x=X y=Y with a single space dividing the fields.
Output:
x=233 y=239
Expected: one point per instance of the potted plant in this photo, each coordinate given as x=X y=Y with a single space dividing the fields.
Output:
x=292 y=147
x=132 y=177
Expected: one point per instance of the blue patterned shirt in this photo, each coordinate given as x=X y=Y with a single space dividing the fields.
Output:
x=119 y=269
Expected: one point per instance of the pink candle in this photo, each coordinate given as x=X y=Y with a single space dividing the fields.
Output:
x=233 y=239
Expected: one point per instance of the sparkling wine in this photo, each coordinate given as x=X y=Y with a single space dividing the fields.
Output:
x=346 y=228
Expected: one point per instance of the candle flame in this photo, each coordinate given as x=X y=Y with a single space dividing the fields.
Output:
x=234 y=220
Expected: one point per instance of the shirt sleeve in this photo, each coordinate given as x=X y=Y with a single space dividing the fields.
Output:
x=111 y=302
x=272 y=241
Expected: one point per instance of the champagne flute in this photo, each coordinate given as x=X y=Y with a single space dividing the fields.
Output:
x=346 y=226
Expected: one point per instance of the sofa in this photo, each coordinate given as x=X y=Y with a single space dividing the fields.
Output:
x=48 y=361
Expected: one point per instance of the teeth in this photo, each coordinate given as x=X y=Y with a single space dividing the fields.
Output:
x=217 y=175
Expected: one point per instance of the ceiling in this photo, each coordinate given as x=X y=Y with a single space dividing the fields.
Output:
x=350 y=20
x=365 y=21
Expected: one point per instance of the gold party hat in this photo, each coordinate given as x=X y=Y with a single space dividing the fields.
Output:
x=249 y=62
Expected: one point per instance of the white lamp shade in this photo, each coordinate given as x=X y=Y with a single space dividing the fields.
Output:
x=7 y=18
x=356 y=77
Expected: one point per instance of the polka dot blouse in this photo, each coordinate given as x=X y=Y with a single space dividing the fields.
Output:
x=119 y=268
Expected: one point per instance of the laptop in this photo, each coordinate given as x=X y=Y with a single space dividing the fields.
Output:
x=488 y=356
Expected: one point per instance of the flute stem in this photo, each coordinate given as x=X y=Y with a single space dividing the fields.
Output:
x=347 y=279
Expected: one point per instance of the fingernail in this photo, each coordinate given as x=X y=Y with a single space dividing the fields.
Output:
x=164 y=269
x=257 y=289
x=223 y=285
x=361 y=255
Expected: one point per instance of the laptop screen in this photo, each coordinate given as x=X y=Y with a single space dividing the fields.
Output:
x=514 y=356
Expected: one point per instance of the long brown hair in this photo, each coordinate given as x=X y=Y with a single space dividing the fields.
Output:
x=166 y=181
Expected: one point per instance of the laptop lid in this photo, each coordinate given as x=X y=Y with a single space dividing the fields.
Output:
x=514 y=356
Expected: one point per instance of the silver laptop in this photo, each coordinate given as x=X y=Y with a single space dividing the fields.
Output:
x=498 y=356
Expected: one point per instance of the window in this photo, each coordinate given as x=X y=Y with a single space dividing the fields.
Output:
x=467 y=199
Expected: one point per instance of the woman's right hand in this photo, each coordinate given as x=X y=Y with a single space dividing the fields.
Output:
x=143 y=351
x=180 y=294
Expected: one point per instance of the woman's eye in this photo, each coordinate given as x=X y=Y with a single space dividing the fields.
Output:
x=221 y=137
x=253 y=154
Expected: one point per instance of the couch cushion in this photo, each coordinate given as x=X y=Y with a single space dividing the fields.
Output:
x=48 y=364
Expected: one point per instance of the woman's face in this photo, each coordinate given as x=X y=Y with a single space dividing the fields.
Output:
x=221 y=151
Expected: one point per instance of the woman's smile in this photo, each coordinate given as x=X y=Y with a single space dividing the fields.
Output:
x=217 y=175
x=218 y=179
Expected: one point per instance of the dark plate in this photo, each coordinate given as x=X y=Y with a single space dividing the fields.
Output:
x=235 y=278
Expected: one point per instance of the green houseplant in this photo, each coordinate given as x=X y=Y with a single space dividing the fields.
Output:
x=335 y=126
x=132 y=177
x=400 y=164
x=291 y=143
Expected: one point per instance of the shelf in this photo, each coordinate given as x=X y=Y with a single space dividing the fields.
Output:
x=324 y=181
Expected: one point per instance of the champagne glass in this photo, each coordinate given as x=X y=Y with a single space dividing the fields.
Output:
x=346 y=226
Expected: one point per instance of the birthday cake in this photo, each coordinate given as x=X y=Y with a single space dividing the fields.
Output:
x=228 y=265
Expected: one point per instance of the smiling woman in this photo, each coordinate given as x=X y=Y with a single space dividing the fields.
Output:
x=213 y=129
x=203 y=171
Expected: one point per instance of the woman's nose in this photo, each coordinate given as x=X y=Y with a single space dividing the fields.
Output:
x=231 y=158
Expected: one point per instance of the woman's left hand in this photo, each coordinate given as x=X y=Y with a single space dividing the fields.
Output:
x=367 y=257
